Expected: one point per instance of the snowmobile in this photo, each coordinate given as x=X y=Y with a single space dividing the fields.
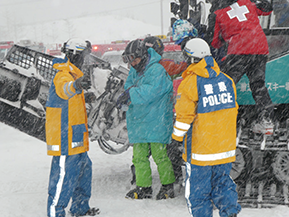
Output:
x=25 y=78
x=107 y=123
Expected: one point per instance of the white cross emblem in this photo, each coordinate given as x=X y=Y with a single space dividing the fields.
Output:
x=238 y=12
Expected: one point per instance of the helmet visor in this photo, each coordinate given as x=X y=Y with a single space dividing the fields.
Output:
x=128 y=58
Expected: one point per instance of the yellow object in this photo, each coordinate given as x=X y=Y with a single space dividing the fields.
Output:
x=206 y=113
x=161 y=36
x=66 y=118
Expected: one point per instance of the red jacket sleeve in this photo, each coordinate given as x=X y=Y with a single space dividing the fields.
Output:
x=216 y=41
x=173 y=68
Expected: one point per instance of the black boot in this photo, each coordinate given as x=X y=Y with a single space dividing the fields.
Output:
x=233 y=215
x=166 y=191
x=133 y=180
x=91 y=212
x=140 y=193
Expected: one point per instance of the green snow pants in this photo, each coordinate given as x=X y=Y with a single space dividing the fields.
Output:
x=141 y=152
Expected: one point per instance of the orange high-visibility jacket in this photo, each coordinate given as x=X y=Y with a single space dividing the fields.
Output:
x=206 y=113
x=66 y=118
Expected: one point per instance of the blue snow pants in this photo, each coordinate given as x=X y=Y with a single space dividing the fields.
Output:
x=70 y=177
x=206 y=185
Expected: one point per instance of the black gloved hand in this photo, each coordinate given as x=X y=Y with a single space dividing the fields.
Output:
x=123 y=99
x=175 y=151
x=89 y=97
x=263 y=5
x=176 y=144
x=83 y=82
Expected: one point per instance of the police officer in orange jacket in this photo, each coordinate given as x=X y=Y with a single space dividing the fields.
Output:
x=206 y=115
x=67 y=134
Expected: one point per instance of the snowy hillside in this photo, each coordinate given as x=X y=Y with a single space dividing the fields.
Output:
x=25 y=170
x=54 y=21
x=97 y=29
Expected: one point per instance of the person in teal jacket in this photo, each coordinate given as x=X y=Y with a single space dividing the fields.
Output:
x=148 y=95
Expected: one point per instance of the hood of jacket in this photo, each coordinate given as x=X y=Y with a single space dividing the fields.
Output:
x=154 y=57
x=65 y=65
x=207 y=68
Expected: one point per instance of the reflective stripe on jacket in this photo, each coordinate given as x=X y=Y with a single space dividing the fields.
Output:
x=66 y=119
x=206 y=113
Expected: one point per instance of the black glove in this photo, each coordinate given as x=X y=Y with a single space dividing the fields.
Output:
x=123 y=99
x=89 y=97
x=176 y=145
x=175 y=151
x=263 y=5
x=83 y=82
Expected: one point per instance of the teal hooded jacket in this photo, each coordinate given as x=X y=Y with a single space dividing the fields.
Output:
x=150 y=114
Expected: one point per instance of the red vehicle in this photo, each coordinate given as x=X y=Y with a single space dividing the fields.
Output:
x=172 y=51
x=100 y=49
x=4 y=47
x=54 y=50
x=33 y=45
x=170 y=45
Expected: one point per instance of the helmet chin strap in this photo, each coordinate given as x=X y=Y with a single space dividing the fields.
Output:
x=192 y=59
x=141 y=65
x=76 y=59
x=195 y=59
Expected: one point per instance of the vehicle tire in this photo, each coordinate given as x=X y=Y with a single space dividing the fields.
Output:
x=242 y=167
x=280 y=166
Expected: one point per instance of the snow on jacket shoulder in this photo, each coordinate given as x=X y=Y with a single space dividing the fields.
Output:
x=150 y=114
x=206 y=112
x=66 y=119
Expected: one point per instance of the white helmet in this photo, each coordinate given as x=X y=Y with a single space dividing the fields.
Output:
x=76 y=45
x=197 y=48
x=76 y=50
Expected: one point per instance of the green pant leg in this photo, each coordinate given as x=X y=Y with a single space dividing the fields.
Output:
x=141 y=162
x=165 y=168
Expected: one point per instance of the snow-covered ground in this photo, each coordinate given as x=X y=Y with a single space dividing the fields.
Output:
x=25 y=170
